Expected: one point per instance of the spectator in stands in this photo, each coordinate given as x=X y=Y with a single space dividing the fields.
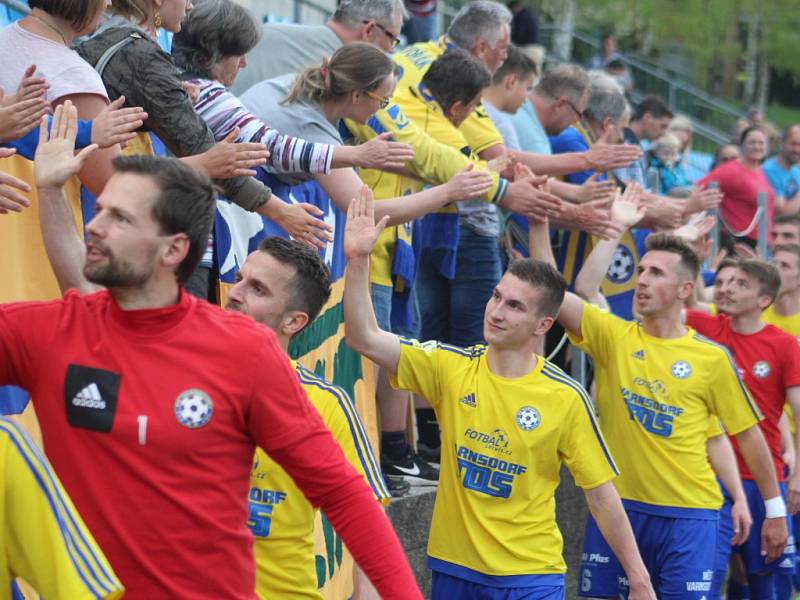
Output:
x=140 y=70
x=422 y=24
x=357 y=80
x=617 y=70
x=210 y=48
x=650 y=121
x=287 y=48
x=783 y=170
x=725 y=153
x=525 y=32
x=608 y=54
x=663 y=157
x=741 y=181
x=694 y=164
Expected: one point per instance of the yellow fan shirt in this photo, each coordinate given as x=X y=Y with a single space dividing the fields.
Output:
x=503 y=444
x=281 y=519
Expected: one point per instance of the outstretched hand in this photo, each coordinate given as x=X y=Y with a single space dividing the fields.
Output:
x=361 y=231
x=381 y=152
x=55 y=160
x=117 y=125
x=627 y=209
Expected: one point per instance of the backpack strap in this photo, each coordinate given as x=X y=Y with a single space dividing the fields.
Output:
x=103 y=61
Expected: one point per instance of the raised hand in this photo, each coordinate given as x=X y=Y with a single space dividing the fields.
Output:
x=500 y=163
x=55 y=160
x=468 y=184
x=697 y=227
x=603 y=156
x=595 y=218
x=591 y=189
x=703 y=198
x=116 y=125
x=382 y=153
x=10 y=199
x=627 y=209
x=228 y=159
x=361 y=231
x=300 y=221
x=19 y=117
x=31 y=86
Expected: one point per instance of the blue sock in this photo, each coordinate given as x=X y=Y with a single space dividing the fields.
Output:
x=762 y=587
x=783 y=586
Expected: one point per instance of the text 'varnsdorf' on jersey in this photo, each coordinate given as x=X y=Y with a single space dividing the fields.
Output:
x=503 y=443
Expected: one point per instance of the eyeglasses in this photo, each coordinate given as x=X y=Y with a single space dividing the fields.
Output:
x=572 y=106
x=384 y=102
x=392 y=37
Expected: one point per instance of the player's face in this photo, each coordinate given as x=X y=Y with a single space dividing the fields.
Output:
x=785 y=233
x=742 y=295
x=458 y=112
x=653 y=128
x=661 y=285
x=511 y=319
x=722 y=282
x=788 y=266
x=124 y=244
x=262 y=289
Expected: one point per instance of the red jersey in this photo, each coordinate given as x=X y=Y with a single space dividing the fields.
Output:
x=740 y=187
x=768 y=362
x=151 y=418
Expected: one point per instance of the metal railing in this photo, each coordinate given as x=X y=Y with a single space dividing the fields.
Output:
x=713 y=119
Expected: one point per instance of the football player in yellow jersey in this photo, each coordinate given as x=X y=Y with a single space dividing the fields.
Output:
x=42 y=537
x=284 y=285
x=509 y=419
x=658 y=382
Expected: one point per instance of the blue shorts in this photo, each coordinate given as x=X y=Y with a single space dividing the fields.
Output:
x=751 y=549
x=448 y=587
x=678 y=552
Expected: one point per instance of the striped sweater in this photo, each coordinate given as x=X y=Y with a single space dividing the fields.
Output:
x=223 y=112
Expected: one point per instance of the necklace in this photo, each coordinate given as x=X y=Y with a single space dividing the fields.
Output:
x=53 y=27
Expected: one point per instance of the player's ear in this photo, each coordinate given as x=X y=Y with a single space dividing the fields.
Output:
x=176 y=249
x=293 y=322
x=685 y=290
x=543 y=326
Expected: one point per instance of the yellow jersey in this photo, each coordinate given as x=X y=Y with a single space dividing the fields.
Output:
x=428 y=117
x=503 y=444
x=282 y=519
x=791 y=325
x=655 y=397
x=42 y=537
x=414 y=61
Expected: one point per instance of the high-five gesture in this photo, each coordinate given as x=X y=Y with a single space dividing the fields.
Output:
x=55 y=160
x=627 y=209
x=361 y=231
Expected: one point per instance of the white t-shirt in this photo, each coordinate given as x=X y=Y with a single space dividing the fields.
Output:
x=65 y=71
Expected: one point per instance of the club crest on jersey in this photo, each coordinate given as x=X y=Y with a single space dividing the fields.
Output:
x=193 y=408
x=762 y=369
x=528 y=418
x=681 y=369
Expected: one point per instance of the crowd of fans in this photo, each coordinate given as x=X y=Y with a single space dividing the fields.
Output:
x=476 y=157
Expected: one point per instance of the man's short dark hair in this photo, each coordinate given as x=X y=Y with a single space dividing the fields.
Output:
x=793 y=219
x=456 y=76
x=545 y=278
x=516 y=62
x=667 y=242
x=185 y=205
x=310 y=285
x=78 y=13
x=726 y=263
x=790 y=248
x=211 y=31
x=654 y=106
x=769 y=280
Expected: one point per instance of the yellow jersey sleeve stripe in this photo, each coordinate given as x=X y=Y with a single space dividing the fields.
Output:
x=88 y=565
x=750 y=403
x=502 y=188
x=358 y=435
x=556 y=374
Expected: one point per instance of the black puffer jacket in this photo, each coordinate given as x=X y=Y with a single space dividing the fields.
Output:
x=147 y=77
